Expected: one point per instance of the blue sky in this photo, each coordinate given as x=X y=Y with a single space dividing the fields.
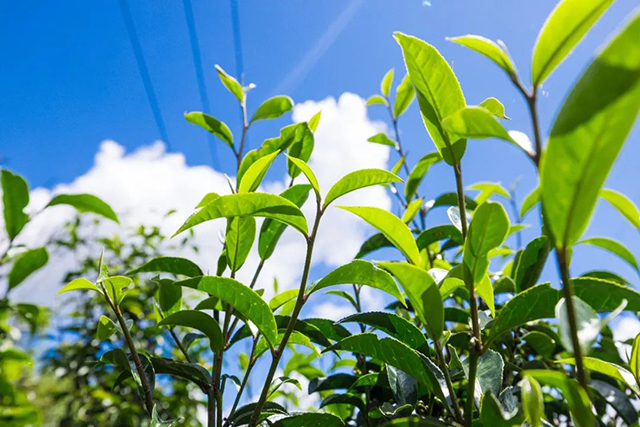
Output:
x=70 y=80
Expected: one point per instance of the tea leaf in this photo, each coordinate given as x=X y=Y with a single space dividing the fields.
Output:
x=492 y=50
x=25 y=264
x=273 y=108
x=211 y=125
x=359 y=179
x=200 y=321
x=15 y=197
x=85 y=203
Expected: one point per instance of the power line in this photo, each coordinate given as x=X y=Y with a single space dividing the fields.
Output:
x=197 y=62
x=144 y=71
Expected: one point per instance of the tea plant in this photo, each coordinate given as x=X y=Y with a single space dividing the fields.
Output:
x=471 y=337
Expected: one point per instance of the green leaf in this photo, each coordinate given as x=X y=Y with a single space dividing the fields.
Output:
x=169 y=296
x=489 y=228
x=115 y=285
x=85 y=203
x=385 y=85
x=438 y=233
x=249 y=204
x=439 y=93
x=208 y=198
x=418 y=172
x=405 y=93
x=576 y=396
x=25 y=264
x=532 y=400
x=15 y=197
x=617 y=399
x=359 y=272
x=489 y=372
x=271 y=230
x=377 y=99
x=306 y=170
x=156 y=421
x=488 y=189
x=412 y=210
x=281 y=299
x=530 y=264
x=493 y=414
x=241 y=232
x=248 y=303
x=612 y=370
x=359 y=179
x=255 y=173
x=451 y=199
x=373 y=243
x=315 y=121
x=333 y=382
x=563 y=30
x=77 y=284
x=400 y=356
x=634 y=359
x=392 y=324
x=383 y=139
x=475 y=123
x=231 y=84
x=106 y=328
x=590 y=128
x=604 y=295
x=200 y=321
x=612 y=246
x=423 y=293
x=301 y=147
x=309 y=419
x=530 y=201
x=171 y=265
x=495 y=107
x=403 y=386
x=296 y=337
x=496 y=52
x=391 y=226
x=273 y=108
x=280 y=381
x=211 y=125
x=624 y=205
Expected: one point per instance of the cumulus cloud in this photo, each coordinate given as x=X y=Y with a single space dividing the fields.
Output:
x=143 y=185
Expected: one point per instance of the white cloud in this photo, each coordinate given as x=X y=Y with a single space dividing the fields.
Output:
x=143 y=185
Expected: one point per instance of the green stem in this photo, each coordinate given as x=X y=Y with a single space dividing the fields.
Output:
x=245 y=380
x=473 y=369
x=447 y=377
x=277 y=354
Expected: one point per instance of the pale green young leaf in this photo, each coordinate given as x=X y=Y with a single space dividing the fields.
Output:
x=476 y=123
x=529 y=202
x=623 y=204
x=495 y=107
x=488 y=189
x=239 y=238
x=252 y=178
x=208 y=198
x=243 y=299
x=418 y=173
x=495 y=51
x=85 y=203
x=405 y=94
x=392 y=227
x=314 y=121
x=249 y=204
x=301 y=147
x=634 y=359
x=296 y=338
x=359 y=179
x=484 y=289
x=423 y=293
x=273 y=108
x=281 y=299
x=391 y=324
x=438 y=91
x=306 y=170
x=614 y=247
x=169 y=296
x=385 y=85
x=532 y=400
x=15 y=197
x=529 y=266
x=25 y=264
x=383 y=139
x=359 y=272
x=589 y=132
x=231 y=84
x=211 y=125
x=377 y=100
x=77 y=284
x=106 y=328
x=115 y=286
x=200 y=321
x=412 y=209
x=610 y=369
x=564 y=28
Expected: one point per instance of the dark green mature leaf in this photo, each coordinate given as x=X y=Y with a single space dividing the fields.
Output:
x=403 y=386
x=451 y=199
x=405 y=93
x=212 y=125
x=254 y=174
x=617 y=399
x=309 y=419
x=576 y=396
x=271 y=230
x=415 y=421
x=391 y=226
x=438 y=233
x=530 y=264
x=249 y=204
x=85 y=203
x=106 y=328
x=492 y=414
x=359 y=179
x=241 y=232
x=200 y=321
x=167 y=264
x=495 y=107
x=563 y=30
x=623 y=204
x=373 y=243
x=614 y=247
x=476 y=123
x=15 y=197
x=231 y=84
x=243 y=414
x=169 y=296
x=604 y=295
x=496 y=52
x=590 y=128
x=243 y=299
x=397 y=354
x=340 y=399
x=612 y=370
x=383 y=139
x=439 y=93
x=156 y=421
x=423 y=293
x=25 y=264
x=333 y=382
x=489 y=373
x=392 y=324
x=418 y=172
x=359 y=272
x=489 y=228
x=273 y=108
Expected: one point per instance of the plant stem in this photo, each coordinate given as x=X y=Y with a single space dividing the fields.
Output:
x=252 y=362
x=277 y=354
x=473 y=368
x=447 y=376
x=252 y=285
x=179 y=344
x=567 y=289
x=457 y=169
